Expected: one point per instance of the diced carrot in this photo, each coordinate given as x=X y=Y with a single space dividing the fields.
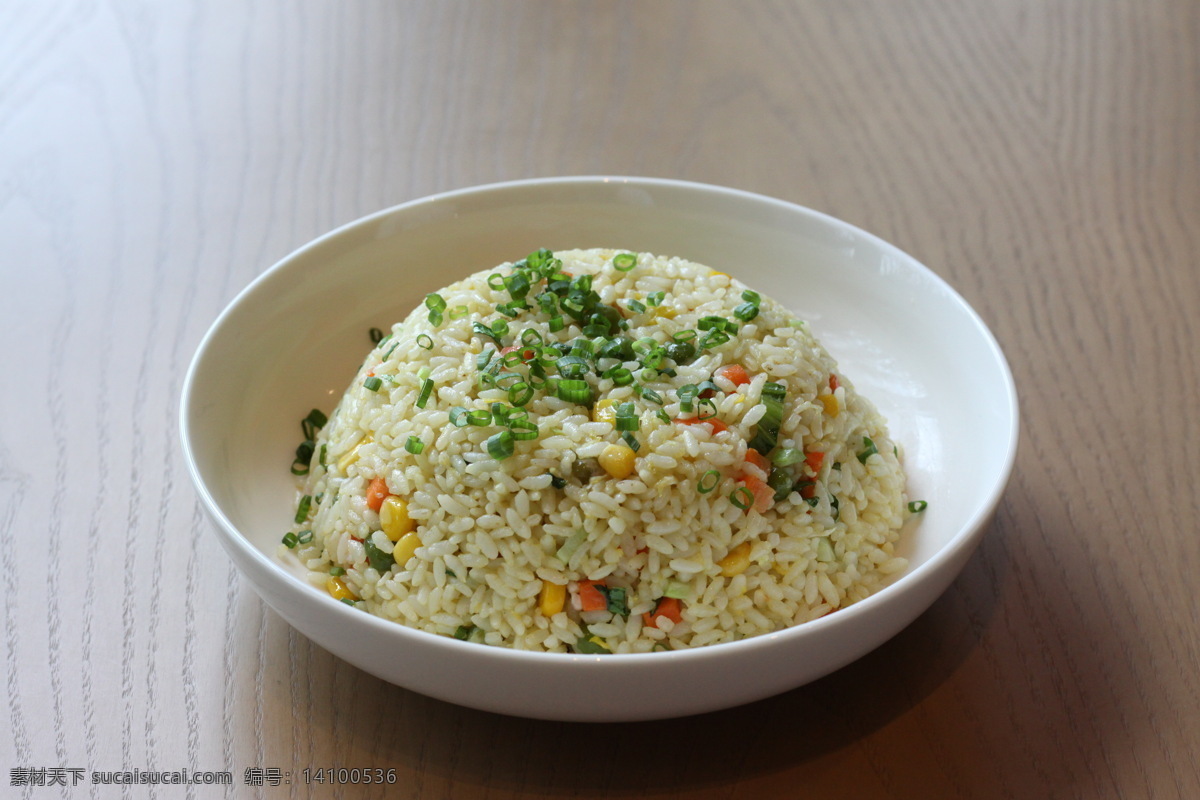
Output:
x=808 y=489
x=377 y=492
x=590 y=596
x=764 y=495
x=814 y=461
x=527 y=353
x=667 y=607
x=758 y=460
x=833 y=382
x=734 y=373
x=717 y=425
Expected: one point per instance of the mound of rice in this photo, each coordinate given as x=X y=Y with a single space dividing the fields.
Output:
x=563 y=455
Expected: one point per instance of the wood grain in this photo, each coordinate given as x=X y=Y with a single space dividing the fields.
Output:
x=1042 y=157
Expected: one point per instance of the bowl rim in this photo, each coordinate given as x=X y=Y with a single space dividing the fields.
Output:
x=965 y=538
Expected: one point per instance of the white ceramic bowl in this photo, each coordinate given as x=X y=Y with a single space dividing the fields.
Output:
x=294 y=338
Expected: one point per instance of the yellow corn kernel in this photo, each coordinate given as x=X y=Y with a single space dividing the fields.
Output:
x=722 y=274
x=551 y=598
x=405 y=548
x=605 y=410
x=664 y=311
x=831 y=405
x=736 y=561
x=617 y=461
x=394 y=518
x=338 y=589
x=346 y=459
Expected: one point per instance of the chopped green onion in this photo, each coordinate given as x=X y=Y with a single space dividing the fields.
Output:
x=917 y=506
x=655 y=298
x=483 y=330
x=627 y=418
x=463 y=632
x=458 y=312
x=620 y=376
x=617 y=602
x=687 y=396
x=647 y=393
x=337 y=571
x=531 y=337
x=786 y=456
x=299 y=467
x=426 y=390
x=746 y=311
x=574 y=390
x=632 y=441
x=869 y=450
x=425 y=340
x=313 y=423
x=708 y=481
x=290 y=540
x=557 y=482
x=663 y=415
x=751 y=296
x=479 y=418
x=321 y=457
x=414 y=445
x=458 y=417
x=766 y=432
x=500 y=445
x=590 y=646
x=520 y=393
x=380 y=560
x=523 y=430
x=833 y=506
x=556 y=324
x=349 y=601
x=781 y=482
x=376 y=335
x=742 y=497
x=624 y=261
x=372 y=384
x=303 y=508
x=304 y=537
x=391 y=350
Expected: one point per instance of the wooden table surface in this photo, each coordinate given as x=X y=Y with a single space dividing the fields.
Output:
x=1043 y=157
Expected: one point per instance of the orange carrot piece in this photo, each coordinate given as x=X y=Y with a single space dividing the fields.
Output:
x=734 y=373
x=377 y=492
x=759 y=460
x=764 y=495
x=668 y=607
x=717 y=425
x=590 y=596
x=814 y=461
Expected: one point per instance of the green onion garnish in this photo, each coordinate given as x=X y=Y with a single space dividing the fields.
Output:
x=766 y=432
x=484 y=330
x=786 y=456
x=708 y=481
x=500 y=445
x=302 y=508
x=869 y=450
x=746 y=311
x=458 y=312
x=458 y=417
x=627 y=418
x=436 y=305
x=372 y=384
x=425 y=340
x=337 y=571
x=663 y=415
x=617 y=603
x=655 y=298
x=376 y=335
x=917 y=506
x=520 y=393
x=523 y=430
x=632 y=441
x=426 y=390
x=381 y=561
x=463 y=632
x=290 y=540
x=574 y=390
x=414 y=445
x=625 y=261
x=304 y=537
x=312 y=423
x=479 y=418
x=742 y=497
